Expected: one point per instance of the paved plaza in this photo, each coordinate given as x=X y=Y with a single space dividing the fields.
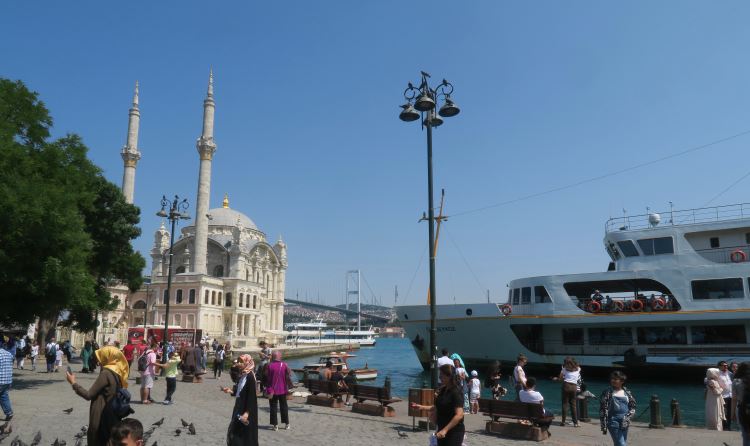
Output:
x=39 y=400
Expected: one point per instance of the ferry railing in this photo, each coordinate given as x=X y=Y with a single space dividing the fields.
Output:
x=723 y=255
x=680 y=217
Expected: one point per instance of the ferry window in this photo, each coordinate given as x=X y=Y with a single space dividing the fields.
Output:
x=719 y=334
x=541 y=295
x=747 y=238
x=714 y=242
x=662 y=335
x=526 y=295
x=718 y=289
x=628 y=248
x=516 y=296
x=572 y=336
x=510 y=295
x=611 y=335
x=652 y=246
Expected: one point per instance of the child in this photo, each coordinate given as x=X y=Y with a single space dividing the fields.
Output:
x=170 y=372
x=58 y=358
x=474 y=391
x=128 y=432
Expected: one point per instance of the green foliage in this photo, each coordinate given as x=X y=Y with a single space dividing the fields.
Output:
x=65 y=231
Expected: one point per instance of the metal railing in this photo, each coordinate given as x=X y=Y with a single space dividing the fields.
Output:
x=680 y=217
x=723 y=255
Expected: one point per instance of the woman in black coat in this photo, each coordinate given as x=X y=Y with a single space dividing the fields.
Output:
x=243 y=427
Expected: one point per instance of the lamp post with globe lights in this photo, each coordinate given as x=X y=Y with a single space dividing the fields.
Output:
x=422 y=103
x=173 y=211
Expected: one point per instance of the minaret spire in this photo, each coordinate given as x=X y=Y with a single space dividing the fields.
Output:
x=130 y=153
x=206 y=148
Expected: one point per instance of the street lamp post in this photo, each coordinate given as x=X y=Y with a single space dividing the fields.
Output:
x=421 y=103
x=177 y=211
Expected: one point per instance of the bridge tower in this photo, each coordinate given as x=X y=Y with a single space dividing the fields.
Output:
x=353 y=287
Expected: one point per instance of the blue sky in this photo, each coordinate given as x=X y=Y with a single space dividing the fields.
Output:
x=310 y=145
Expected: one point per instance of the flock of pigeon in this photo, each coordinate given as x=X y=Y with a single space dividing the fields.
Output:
x=5 y=432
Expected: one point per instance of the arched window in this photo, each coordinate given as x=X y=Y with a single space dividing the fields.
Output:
x=165 y=297
x=219 y=271
x=180 y=270
x=177 y=319
x=213 y=297
x=219 y=302
x=255 y=302
x=247 y=275
x=139 y=305
x=228 y=302
x=241 y=301
x=178 y=297
x=205 y=298
x=190 y=321
x=191 y=297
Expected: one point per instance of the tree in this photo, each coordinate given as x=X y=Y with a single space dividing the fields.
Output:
x=65 y=231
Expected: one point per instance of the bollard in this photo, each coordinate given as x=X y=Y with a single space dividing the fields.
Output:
x=583 y=409
x=655 y=413
x=387 y=384
x=676 y=416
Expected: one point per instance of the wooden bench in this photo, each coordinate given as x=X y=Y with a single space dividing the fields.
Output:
x=371 y=393
x=538 y=430
x=331 y=390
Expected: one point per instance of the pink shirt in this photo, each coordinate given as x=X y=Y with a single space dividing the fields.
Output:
x=151 y=359
x=277 y=373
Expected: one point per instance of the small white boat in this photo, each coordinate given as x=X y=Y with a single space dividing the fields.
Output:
x=340 y=359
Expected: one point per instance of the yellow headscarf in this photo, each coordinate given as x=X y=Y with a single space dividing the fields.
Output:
x=113 y=359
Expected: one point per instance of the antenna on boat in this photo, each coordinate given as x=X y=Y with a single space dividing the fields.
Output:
x=671 y=213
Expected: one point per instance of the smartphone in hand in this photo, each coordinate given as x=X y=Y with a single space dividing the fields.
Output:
x=70 y=370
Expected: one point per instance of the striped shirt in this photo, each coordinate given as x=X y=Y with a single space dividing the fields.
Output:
x=6 y=367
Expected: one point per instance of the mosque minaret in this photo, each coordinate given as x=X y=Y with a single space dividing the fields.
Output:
x=130 y=153
x=206 y=148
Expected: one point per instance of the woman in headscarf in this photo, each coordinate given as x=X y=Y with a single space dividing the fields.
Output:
x=114 y=374
x=243 y=426
x=86 y=353
x=714 y=403
x=278 y=376
x=460 y=370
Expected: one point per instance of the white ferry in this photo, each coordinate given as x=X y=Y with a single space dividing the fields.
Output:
x=676 y=296
x=318 y=333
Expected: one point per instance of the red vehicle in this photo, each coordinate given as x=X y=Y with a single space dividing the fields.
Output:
x=176 y=335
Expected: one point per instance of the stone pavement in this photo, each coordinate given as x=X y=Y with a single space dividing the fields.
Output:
x=39 y=399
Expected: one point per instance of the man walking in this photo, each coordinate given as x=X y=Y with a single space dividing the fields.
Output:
x=50 y=354
x=6 y=378
x=128 y=352
x=148 y=373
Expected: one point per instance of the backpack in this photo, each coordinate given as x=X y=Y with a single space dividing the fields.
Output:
x=52 y=351
x=143 y=361
x=120 y=403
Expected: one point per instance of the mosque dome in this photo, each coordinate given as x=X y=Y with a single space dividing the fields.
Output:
x=225 y=216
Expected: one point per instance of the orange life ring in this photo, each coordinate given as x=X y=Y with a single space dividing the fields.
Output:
x=595 y=306
x=658 y=304
x=506 y=309
x=617 y=306
x=636 y=305
x=738 y=256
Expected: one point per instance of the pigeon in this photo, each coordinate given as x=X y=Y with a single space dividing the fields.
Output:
x=177 y=432
x=184 y=423
x=68 y=411
x=402 y=434
x=16 y=442
x=37 y=439
x=153 y=444
x=158 y=423
x=79 y=442
x=147 y=434
x=191 y=429
x=59 y=442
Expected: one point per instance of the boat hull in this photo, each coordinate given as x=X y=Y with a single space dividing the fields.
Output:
x=487 y=336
